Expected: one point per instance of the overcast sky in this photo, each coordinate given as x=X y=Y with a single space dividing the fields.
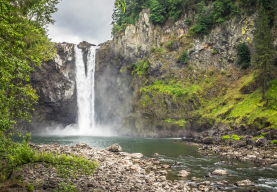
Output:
x=82 y=20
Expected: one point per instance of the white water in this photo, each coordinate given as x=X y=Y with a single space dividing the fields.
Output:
x=85 y=90
x=85 y=84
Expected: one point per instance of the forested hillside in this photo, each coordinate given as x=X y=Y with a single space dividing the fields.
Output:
x=190 y=65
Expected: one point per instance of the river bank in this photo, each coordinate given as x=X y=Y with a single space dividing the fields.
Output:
x=241 y=144
x=121 y=171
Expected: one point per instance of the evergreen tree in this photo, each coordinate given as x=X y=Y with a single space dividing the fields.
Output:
x=157 y=12
x=264 y=50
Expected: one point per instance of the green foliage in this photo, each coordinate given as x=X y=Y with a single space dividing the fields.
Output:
x=23 y=45
x=222 y=72
x=235 y=137
x=226 y=137
x=169 y=44
x=222 y=9
x=259 y=137
x=30 y=187
x=66 y=187
x=214 y=51
x=180 y=122
x=190 y=67
x=141 y=67
x=211 y=73
x=274 y=141
x=203 y=25
x=188 y=21
x=120 y=4
x=184 y=57
x=262 y=134
x=244 y=57
x=17 y=155
x=157 y=12
x=264 y=50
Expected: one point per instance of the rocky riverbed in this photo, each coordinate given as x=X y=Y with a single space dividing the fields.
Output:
x=117 y=171
x=250 y=145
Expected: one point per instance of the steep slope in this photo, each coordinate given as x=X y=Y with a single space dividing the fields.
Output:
x=55 y=84
x=148 y=91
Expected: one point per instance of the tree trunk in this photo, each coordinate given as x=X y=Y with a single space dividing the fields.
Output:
x=264 y=81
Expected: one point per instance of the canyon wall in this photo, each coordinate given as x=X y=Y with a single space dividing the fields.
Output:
x=55 y=85
x=147 y=102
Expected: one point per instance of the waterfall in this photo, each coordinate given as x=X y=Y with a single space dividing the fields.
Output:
x=85 y=90
x=85 y=83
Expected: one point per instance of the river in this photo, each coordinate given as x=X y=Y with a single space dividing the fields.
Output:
x=170 y=151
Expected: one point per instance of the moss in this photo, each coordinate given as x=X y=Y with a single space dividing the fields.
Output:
x=180 y=122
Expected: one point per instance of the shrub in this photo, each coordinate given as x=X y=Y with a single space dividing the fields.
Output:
x=263 y=134
x=243 y=55
x=141 y=67
x=153 y=49
x=226 y=137
x=222 y=72
x=274 y=141
x=188 y=21
x=184 y=57
x=169 y=44
x=211 y=73
x=161 y=43
x=190 y=67
x=214 y=51
x=222 y=9
x=30 y=187
x=258 y=137
x=157 y=12
x=235 y=137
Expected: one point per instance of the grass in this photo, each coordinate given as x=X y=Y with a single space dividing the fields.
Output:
x=179 y=122
x=209 y=97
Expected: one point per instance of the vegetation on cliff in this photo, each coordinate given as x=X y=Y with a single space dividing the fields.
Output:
x=163 y=10
x=182 y=92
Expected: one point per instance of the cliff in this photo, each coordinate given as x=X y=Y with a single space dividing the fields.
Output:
x=55 y=84
x=142 y=87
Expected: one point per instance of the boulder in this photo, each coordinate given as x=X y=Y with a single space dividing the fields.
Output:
x=183 y=173
x=240 y=144
x=156 y=155
x=219 y=172
x=261 y=142
x=208 y=141
x=245 y=183
x=114 y=148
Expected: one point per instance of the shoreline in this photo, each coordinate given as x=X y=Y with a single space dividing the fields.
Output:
x=117 y=171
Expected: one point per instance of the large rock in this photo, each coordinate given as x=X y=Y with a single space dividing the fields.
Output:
x=245 y=183
x=219 y=172
x=183 y=173
x=261 y=142
x=114 y=148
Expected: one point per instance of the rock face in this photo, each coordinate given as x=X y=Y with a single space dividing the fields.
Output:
x=55 y=84
x=120 y=102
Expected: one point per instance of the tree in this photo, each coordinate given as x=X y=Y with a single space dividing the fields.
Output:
x=23 y=45
x=264 y=50
x=157 y=12
x=120 y=4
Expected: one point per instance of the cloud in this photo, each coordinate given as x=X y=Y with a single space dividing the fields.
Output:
x=82 y=20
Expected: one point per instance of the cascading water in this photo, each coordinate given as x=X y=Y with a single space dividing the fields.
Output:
x=85 y=90
x=85 y=99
